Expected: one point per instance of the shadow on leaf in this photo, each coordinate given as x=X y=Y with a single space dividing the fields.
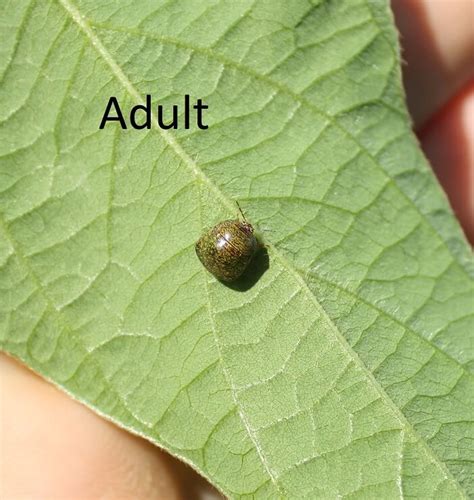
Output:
x=256 y=269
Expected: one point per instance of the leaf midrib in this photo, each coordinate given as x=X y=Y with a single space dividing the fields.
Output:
x=96 y=43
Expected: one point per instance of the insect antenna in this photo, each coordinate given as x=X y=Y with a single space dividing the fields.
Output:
x=240 y=210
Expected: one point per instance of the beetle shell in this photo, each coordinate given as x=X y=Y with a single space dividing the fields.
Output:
x=227 y=249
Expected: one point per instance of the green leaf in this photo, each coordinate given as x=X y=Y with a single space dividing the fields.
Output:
x=346 y=370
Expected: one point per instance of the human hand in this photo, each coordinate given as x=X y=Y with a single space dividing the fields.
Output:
x=437 y=38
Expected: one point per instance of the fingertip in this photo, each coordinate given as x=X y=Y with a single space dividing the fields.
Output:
x=437 y=47
x=54 y=447
x=448 y=143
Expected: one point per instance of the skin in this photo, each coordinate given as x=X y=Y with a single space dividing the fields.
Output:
x=36 y=457
x=227 y=249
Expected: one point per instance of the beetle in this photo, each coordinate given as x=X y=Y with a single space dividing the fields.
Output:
x=227 y=249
